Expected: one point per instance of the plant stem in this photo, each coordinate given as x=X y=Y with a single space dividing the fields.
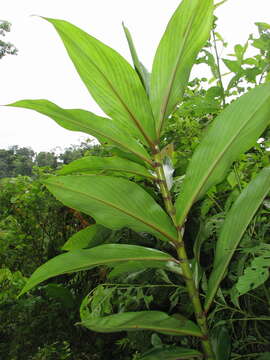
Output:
x=184 y=262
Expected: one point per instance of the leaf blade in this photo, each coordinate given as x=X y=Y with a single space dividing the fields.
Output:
x=186 y=33
x=110 y=79
x=88 y=237
x=85 y=121
x=234 y=227
x=96 y=164
x=79 y=260
x=139 y=67
x=143 y=320
x=233 y=132
x=114 y=203
x=171 y=353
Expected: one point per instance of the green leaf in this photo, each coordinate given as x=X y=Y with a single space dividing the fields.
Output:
x=136 y=266
x=96 y=164
x=220 y=3
x=254 y=275
x=108 y=254
x=171 y=353
x=261 y=44
x=233 y=66
x=113 y=202
x=60 y=293
x=139 y=67
x=91 y=236
x=264 y=356
x=85 y=121
x=186 y=33
x=143 y=320
x=233 y=132
x=221 y=342
x=110 y=79
x=235 y=224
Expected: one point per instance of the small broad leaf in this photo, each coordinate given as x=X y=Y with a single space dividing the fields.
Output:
x=254 y=275
x=171 y=353
x=85 y=121
x=186 y=33
x=235 y=224
x=143 y=320
x=139 y=67
x=96 y=164
x=108 y=254
x=113 y=202
x=233 y=132
x=91 y=236
x=233 y=66
x=110 y=79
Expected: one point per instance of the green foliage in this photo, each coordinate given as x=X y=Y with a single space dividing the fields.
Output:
x=215 y=204
x=16 y=161
x=6 y=48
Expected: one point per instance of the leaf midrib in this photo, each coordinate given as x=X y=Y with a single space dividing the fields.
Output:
x=112 y=169
x=174 y=72
x=124 y=105
x=215 y=164
x=231 y=252
x=154 y=227
x=87 y=127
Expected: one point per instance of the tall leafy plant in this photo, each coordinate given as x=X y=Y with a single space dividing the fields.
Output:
x=137 y=105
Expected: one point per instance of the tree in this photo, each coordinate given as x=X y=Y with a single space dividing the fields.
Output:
x=16 y=161
x=6 y=48
x=45 y=158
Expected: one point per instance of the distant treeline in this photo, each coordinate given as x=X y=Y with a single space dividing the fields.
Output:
x=18 y=160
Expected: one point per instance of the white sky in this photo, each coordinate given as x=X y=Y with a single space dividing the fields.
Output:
x=42 y=68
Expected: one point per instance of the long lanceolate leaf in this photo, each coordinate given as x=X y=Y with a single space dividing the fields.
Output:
x=109 y=254
x=110 y=79
x=139 y=67
x=97 y=164
x=233 y=132
x=114 y=203
x=234 y=227
x=85 y=121
x=143 y=320
x=186 y=33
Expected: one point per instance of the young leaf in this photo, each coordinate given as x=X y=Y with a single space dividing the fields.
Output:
x=110 y=79
x=85 y=121
x=139 y=67
x=143 y=320
x=89 y=237
x=96 y=164
x=235 y=224
x=171 y=353
x=186 y=33
x=233 y=132
x=114 y=203
x=108 y=254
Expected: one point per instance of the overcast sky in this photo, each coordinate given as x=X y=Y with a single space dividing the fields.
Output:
x=42 y=68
